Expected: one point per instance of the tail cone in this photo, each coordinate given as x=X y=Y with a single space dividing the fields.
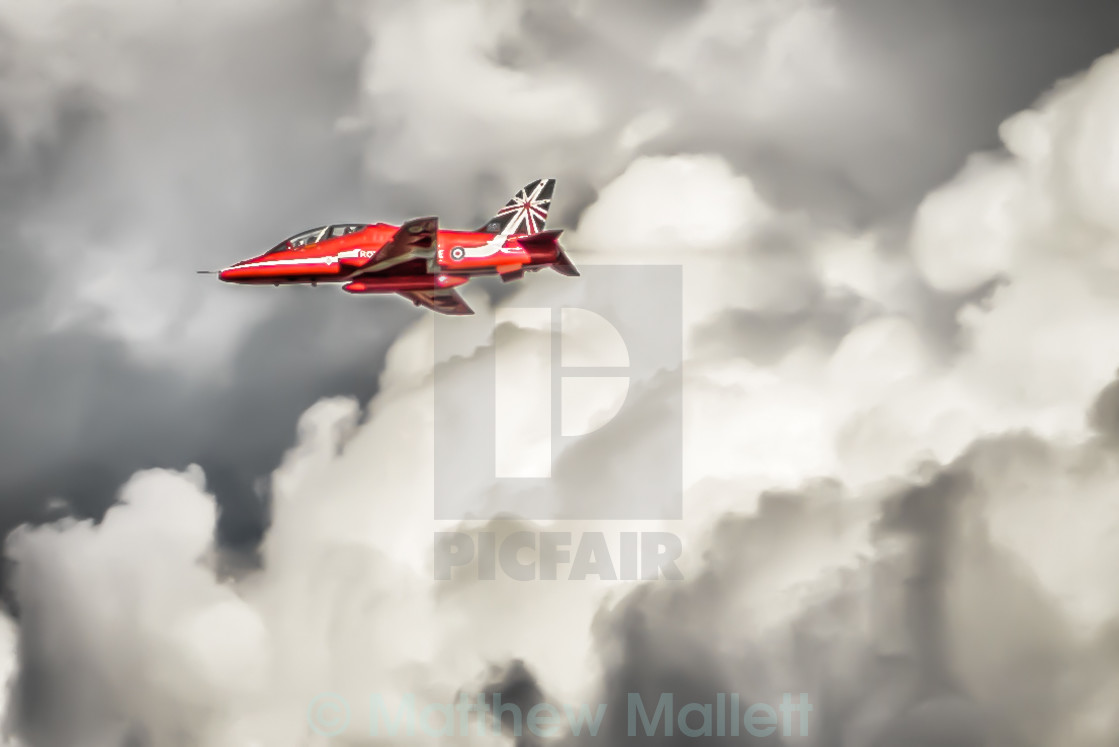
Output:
x=564 y=266
x=543 y=248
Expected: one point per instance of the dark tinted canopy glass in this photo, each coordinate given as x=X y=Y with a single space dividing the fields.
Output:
x=315 y=235
x=300 y=240
x=343 y=229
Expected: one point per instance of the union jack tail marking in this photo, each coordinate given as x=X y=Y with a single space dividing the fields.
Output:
x=526 y=213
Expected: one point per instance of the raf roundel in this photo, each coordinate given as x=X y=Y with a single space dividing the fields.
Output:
x=458 y=253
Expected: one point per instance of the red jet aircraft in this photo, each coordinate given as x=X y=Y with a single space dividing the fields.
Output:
x=416 y=259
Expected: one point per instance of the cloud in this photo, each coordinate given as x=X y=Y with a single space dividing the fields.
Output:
x=1032 y=221
x=876 y=508
x=146 y=551
x=130 y=160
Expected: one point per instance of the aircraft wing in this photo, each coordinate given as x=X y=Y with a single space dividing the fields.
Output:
x=415 y=239
x=445 y=301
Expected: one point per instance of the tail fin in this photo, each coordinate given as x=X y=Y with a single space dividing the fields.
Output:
x=526 y=212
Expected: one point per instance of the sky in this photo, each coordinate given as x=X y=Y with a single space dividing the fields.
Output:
x=899 y=399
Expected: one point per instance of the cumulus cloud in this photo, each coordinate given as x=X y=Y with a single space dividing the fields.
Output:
x=1032 y=225
x=148 y=550
x=877 y=513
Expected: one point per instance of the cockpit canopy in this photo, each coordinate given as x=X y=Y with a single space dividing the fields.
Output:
x=313 y=236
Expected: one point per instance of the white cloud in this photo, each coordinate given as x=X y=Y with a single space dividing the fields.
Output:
x=965 y=232
x=441 y=103
x=110 y=600
x=673 y=206
x=1037 y=350
x=791 y=51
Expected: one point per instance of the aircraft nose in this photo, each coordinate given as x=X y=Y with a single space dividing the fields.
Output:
x=231 y=274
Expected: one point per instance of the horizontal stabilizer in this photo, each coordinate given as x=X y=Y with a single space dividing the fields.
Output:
x=542 y=240
x=544 y=248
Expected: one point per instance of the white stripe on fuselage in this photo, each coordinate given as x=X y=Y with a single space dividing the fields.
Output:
x=496 y=245
x=332 y=260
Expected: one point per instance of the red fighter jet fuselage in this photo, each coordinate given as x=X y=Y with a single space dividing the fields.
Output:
x=416 y=259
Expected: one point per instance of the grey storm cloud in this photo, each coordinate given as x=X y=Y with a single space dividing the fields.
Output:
x=243 y=148
x=233 y=152
x=898 y=495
